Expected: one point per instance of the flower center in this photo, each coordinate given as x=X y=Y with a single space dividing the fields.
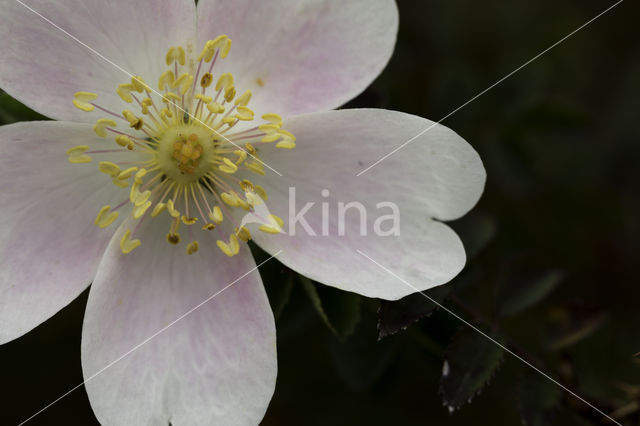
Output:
x=187 y=152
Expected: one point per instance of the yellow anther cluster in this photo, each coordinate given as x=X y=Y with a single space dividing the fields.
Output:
x=187 y=152
x=191 y=144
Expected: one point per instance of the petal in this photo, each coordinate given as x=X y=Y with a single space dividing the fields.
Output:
x=43 y=67
x=216 y=364
x=49 y=246
x=437 y=176
x=310 y=55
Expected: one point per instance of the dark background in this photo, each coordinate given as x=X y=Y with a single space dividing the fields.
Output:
x=554 y=243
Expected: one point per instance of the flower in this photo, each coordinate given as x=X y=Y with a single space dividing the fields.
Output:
x=173 y=186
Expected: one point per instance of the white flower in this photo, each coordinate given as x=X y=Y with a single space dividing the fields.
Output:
x=172 y=187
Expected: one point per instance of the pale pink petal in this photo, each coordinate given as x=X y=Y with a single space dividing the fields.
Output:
x=309 y=55
x=49 y=246
x=43 y=67
x=436 y=177
x=215 y=365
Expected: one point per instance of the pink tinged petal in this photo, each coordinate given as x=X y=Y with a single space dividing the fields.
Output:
x=436 y=177
x=43 y=67
x=49 y=245
x=309 y=55
x=216 y=365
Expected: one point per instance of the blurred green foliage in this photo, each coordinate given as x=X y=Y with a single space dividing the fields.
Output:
x=553 y=245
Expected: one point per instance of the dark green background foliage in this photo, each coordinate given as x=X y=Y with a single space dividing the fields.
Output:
x=553 y=244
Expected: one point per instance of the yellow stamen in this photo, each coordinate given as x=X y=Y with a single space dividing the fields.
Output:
x=103 y=219
x=77 y=155
x=127 y=244
x=81 y=100
x=228 y=167
x=216 y=215
x=139 y=85
x=139 y=175
x=166 y=79
x=159 y=208
x=230 y=249
x=101 y=125
x=175 y=54
x=134 y=121
x=244 y=114
x=124 y=91
x=273 y=118
x=243 y=233
x=139 y=211
x=203 y=98
x=126 y=174
x=215 y=108
x=188 y=220
x=109 y=168
x=173 y=238
x=183 y=82
x=225 y=81
x=172 y=210
x=192 y=247
x=229 y=93
x=274 y=226
x=243 y=100
x=206 y=80
x=125 y=142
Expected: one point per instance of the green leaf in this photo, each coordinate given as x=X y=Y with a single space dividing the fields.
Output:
x=340 y=310
x=537 y=399
x=397 y=315
x=360 y=360
x=471 y=361
x=12 y=111
x=525 y=282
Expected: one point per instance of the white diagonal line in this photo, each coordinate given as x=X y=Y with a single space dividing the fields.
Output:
x=152 y=89
x=145 y=341
x=491 y=339
x=491 y=87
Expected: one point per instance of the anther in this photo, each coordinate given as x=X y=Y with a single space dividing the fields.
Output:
x=206 y=80
x=77 y=155
x=243 y=100
x=105 y=218
x=230 y=249
x=216 y=215
x=109 y=168
x=124 y=91
x=81 y=100
x=127 y=244
x=173 y=238
x=192 y=247
x=175 y=54
x=124 y=141
x=101 y=125
x=166 y=79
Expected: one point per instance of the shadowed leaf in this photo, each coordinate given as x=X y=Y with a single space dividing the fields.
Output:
x=537 y=399
x=397 y=315
x=471 y=360
x=524 y=283
x=340 y=310
x=360 y=360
